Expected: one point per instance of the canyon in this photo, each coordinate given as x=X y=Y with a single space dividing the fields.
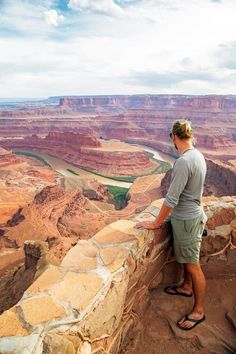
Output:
x=112 y=158
x=107 y=293
x=142 y=119
x=20 y=179
x=52 y=216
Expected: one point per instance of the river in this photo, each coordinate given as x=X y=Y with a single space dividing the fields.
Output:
x=71 y=180
x=158 y=155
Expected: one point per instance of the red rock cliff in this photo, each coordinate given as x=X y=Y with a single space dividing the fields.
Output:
x=208 y=103
x=71 y=138
x=110 y=159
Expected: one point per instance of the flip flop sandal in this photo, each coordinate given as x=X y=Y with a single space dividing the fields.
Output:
x=195 y=323
x=175 y=291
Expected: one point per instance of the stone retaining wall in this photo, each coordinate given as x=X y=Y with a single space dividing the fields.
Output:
x=93 y=301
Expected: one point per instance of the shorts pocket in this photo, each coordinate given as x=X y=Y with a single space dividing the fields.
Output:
x=187 y=254
x=195 y=226
x=189 y=225
x=189 y=251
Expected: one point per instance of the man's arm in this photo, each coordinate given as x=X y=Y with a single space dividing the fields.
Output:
x=161 y=217
x=180 y=177
x=179 y=180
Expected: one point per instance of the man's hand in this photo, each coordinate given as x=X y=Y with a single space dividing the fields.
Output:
x=148 y=225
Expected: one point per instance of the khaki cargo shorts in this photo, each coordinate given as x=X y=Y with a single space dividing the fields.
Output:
x=187 y=236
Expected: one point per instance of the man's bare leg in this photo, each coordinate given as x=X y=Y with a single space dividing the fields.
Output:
x=186 y=286
x=187 y=283
x=199 y=285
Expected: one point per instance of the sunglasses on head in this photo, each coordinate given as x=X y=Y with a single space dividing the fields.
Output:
x=171 y=135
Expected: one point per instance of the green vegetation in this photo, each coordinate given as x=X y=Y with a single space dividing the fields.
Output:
x=74 y=173
x=163 y=168
x=120 y=179
x=30 y=154
x=119 y=195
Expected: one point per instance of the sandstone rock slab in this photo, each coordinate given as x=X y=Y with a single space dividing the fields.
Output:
x=114 y=258
x=126 y=226
x=56 y=344
x=78 y=289
x=110 y=235
x=10 y=324
x=105 y=318
x=46 y=280
x=38 y=310
x=81 y=257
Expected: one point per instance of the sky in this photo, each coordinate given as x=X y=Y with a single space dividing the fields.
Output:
x=99 y=47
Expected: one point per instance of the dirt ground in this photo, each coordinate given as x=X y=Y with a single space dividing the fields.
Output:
x=216 y=335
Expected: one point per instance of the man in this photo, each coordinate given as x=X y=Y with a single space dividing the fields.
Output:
x=183 y=202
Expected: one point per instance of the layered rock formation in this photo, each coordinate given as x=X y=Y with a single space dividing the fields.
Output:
x=56 y=218
x=142 y=118
x=77 y=140
x=220 y=179
x=146 y=119
x=49 y=217
x=96 y=300
x=115 y=269
x=144 y=191
x=151 y=128
x=20 y=179
x=57 y=213
x=203 y=103
x=117 y=103
x=7 y=158
x=110 y=158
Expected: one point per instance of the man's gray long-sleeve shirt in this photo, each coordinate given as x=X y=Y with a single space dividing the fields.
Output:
x=185 y=192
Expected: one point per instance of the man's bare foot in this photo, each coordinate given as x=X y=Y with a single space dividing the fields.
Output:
x=191 y=320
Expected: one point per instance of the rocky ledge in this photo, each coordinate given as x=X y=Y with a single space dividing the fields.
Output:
x=94 y=301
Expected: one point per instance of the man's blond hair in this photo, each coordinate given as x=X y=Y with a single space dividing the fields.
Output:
x=183 y=129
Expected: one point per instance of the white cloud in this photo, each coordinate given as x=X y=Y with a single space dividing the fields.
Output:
x=53 y=18
x=28 y=19
x=156 y=46
x=20 y=17
x=106 y=7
